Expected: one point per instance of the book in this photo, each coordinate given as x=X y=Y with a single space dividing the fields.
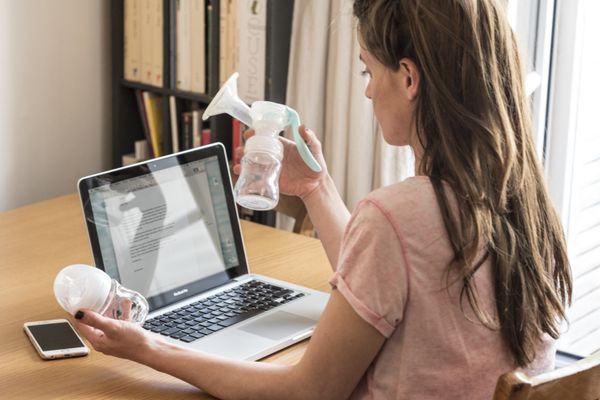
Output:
x=154 y=114
x=142 y=109
x=233 y=43
x=196 y=128
x=223 y=40
x=128 y=159
x=198 y=46
x=132 y=40
x=157 y=42
x=264 y=45
x=147 y=12
x=141 y=150
x=206 y=136
x=228 y=39
x=174 y=123
x=186 y=126
x=252 y=45
x=183 y=37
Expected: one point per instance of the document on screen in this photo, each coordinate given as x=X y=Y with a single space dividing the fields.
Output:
x=164 y=235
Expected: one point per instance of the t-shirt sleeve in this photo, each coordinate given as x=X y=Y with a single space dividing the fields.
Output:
x=372 y=273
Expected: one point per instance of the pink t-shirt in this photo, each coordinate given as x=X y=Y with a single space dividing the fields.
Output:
x=392 y=271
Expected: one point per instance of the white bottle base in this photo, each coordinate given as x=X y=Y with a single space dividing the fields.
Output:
x=256 y=202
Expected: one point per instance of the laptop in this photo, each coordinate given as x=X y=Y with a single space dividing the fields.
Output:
x=169 y=229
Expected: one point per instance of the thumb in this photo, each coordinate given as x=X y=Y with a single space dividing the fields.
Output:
x=309 y=137
x=96 y=320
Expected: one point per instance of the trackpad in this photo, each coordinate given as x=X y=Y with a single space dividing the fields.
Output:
x=279 y=325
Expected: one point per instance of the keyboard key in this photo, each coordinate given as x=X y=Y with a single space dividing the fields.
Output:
x=197 y=328
x=238 y=318
x=188 y=339
x=170 y=331
x=215 y=327
x=178 y=335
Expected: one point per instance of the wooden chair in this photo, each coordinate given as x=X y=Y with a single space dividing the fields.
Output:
x=578 y=381
x=293 y=206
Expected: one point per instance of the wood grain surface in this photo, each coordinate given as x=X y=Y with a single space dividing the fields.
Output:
x=38 y=240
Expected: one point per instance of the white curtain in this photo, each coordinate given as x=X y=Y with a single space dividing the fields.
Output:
x=326 y=88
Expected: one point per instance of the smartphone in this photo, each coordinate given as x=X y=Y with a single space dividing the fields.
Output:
x=55 y=339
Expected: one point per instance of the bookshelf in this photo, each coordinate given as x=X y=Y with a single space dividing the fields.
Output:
x=127 y=123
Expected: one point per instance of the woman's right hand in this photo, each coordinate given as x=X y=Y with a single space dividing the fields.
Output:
x=296 y=178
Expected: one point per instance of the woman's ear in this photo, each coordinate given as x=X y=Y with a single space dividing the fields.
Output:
x=411 y=77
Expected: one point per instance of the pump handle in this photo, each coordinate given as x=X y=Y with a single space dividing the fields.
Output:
x=303 y=149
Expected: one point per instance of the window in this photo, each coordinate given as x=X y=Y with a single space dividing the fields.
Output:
x=532 y=20
x=558 y=39
x=573 y=162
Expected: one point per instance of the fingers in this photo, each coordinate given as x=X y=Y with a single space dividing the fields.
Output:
x=91 y=334
x=238 y=153
x=97 y=321
x=309 y=137
x=248 y=133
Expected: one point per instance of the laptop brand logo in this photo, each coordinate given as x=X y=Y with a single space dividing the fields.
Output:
x=180 y=292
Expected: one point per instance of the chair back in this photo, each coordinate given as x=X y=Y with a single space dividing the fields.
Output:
x=578 y=381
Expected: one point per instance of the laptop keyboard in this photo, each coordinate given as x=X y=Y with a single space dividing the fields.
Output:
x=204 y=317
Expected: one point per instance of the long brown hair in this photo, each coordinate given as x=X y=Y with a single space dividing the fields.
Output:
x=472 y=117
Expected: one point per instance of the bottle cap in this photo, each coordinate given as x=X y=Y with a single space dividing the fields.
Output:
x=81 y=286
x=267 y=144
x=274 y=114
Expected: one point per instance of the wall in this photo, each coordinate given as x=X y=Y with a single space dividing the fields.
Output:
x=54 y=96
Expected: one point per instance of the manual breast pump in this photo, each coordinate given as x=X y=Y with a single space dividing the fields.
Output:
x=257 y=187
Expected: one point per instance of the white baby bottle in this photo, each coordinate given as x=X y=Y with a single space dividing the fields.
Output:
x=82 y=286
x=257 y=187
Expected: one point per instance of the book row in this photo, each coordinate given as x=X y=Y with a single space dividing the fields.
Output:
x=175 y=127
x=180 y=33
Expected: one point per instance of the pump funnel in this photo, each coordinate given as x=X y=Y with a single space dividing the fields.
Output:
x=227 y=101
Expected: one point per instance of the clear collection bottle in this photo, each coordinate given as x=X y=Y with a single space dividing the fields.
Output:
x=81 y=286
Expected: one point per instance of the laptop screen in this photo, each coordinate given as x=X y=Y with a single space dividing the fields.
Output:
x=164 y=228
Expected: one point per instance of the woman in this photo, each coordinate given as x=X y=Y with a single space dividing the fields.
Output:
x=442 y=282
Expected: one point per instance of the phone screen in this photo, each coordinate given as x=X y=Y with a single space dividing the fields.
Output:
x=55 y=336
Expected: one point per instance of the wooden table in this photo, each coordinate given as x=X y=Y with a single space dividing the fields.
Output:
x=38 y=240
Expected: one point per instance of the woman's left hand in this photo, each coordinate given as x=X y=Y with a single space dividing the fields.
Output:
x=113 y=337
